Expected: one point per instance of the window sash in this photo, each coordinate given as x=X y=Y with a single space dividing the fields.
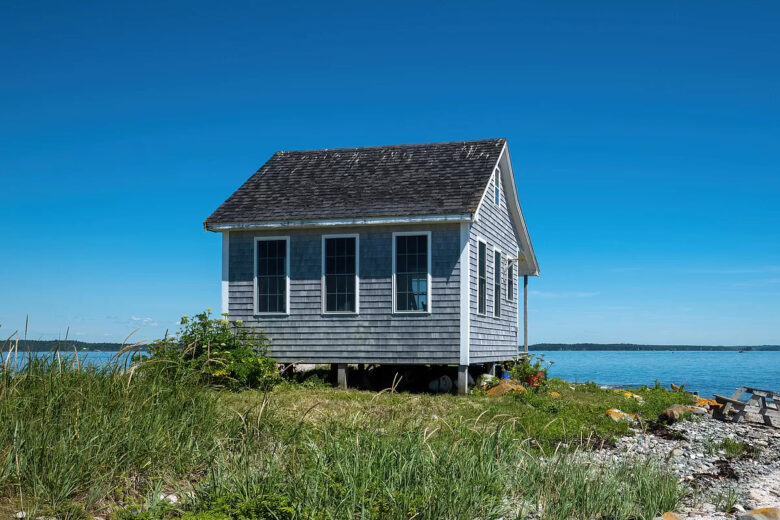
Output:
x=482 y=276
x=271 y=276
x=340 y=274
x=497 y=284
x=510 y=283
x=497 y=186
x=411 y=274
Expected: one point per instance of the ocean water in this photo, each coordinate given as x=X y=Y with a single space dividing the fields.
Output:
x=704 y=372
x=85 y=358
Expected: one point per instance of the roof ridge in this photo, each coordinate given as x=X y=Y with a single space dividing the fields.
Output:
x=374 y=147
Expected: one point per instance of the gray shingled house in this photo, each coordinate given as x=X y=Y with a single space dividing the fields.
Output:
x=357 y=255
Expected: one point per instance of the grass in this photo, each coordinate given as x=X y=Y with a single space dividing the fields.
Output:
x=726 y=500
x=732 y=449
x=78 y=441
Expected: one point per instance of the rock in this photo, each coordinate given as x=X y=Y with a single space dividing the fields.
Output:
x=506 y=386
x=673 y=413
x=485 y=379
x=707 y=403
x=755 y=496
x=631 y=395
x=171 y=499
x=618 y=415
x=762 y=513
x=442 y=385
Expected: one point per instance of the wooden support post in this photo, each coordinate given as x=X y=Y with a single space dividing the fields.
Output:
x=463 y=379
x=341 y=375
x=525 y=314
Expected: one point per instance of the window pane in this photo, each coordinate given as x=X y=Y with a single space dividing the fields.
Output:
x=510 y=283
x=340 y=274
x=497 y=283
x=411 y=273
x=482 y=285
x=272 y=276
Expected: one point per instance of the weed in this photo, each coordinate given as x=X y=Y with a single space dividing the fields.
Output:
x=726 y=501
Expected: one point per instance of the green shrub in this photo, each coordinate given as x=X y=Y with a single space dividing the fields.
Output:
x=261 y=507
x=226 y=507
x=531 y=370
x=215 y=352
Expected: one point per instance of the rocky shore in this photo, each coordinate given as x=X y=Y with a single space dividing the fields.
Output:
x=731 y=469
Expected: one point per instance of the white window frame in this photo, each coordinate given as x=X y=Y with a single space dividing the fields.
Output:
x=429 y=285
x=323 y=294
x=255 y=310
x=483 y=241
x=497 y=186
x=500 y=279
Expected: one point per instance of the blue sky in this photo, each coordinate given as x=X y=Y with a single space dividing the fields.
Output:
x=644 y=135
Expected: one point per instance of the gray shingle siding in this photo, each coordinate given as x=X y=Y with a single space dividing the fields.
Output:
x=493 y=339
x=376 y=335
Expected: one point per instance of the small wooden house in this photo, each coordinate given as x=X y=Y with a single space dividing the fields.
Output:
x=407 y=254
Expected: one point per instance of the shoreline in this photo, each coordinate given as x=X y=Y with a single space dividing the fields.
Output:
x=703 y=453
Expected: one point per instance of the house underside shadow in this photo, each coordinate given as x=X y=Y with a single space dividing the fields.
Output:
x=398 y=378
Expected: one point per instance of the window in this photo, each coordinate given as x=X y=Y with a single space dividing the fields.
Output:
x=497 y=186
x=496 y=283
x=510 y=282
x=272 y=275
x=482 y=287
x=412 y=273
x=339 y=274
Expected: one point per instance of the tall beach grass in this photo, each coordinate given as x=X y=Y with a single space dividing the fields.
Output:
x=83 y=440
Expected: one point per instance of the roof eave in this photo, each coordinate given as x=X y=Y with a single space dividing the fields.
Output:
x=220 y=227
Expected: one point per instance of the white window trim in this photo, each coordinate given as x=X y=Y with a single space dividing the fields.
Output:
x=226 y=272
x=255 y=310
x=429 y=285
x=500 y=279
x=510 y=263
x=483 y=241
x=323 y=295
x=497 y=185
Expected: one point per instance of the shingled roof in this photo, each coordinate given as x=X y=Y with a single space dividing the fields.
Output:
x=378 y=181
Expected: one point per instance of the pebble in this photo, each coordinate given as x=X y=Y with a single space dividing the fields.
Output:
x=756 y=480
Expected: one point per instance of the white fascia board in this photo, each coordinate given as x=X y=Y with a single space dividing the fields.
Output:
x=519 y=220
x=368 y=221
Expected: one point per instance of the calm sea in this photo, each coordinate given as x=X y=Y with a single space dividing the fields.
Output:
x=704 y=372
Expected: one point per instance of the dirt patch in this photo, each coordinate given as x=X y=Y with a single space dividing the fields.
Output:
x=659 y=429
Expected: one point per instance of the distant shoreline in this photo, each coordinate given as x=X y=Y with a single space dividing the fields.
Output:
x=34 y=345
x=85 y=346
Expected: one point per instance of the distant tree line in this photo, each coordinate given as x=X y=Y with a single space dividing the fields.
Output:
x=632 y=346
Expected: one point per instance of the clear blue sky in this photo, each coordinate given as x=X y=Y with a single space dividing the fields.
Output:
x=645 y=138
